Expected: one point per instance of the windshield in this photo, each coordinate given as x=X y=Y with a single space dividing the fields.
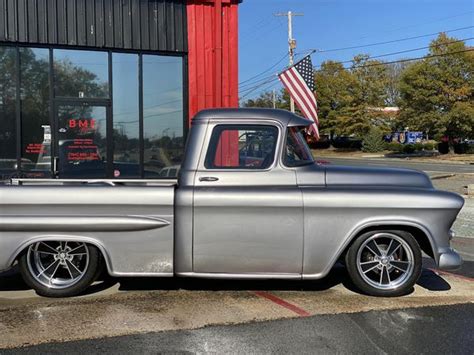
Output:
x=297 y=151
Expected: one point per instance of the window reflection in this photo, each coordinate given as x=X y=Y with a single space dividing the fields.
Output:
x=81 y=74
x=162 y=115
x=126 y=115
x=35 y=123
x=8 y=163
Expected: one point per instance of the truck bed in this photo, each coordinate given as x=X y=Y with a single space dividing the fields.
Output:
x=130 y=221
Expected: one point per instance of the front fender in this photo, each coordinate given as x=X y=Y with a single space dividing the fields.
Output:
x=334 y=217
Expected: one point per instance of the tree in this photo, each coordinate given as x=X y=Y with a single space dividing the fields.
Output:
x=437 y=93
x=333 y=94
x=265 y=99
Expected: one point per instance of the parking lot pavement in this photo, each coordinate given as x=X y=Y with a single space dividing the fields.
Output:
x=134 y=306
x=436 y=330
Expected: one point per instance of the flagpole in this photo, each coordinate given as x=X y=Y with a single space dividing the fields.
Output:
x=291 y=46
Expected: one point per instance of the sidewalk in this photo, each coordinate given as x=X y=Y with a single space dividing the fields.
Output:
x=445 y=159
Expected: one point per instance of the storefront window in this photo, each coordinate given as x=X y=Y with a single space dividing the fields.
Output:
x=35 y=121
x=81 y=74
x=69 y=124
x=8 y=162
x=162 y=115
x=126 y=115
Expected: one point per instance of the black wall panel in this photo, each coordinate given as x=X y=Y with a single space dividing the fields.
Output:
x=116 y=24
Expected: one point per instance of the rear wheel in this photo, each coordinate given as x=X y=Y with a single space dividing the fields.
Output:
x=59 y=268
x=384 y=263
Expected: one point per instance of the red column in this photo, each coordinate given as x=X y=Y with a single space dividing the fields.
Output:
x=212 y=54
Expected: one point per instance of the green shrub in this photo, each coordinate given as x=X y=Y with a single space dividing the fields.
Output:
x=395 y=147
x=418 y=147
x=373 y=141
x=428 y=146
x=408 y=148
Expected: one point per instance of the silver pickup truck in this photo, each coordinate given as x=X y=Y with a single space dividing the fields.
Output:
x=249 y=203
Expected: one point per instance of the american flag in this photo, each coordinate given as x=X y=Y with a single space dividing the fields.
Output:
x=299 y=81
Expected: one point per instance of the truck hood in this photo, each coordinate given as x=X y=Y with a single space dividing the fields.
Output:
x=354 y=175
x=334 y=175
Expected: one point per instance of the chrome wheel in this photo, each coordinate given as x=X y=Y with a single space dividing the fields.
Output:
x=385 y=261
x=58 y=265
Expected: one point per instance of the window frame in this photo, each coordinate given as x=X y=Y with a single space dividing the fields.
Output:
x=215 y=135
x=283 y=151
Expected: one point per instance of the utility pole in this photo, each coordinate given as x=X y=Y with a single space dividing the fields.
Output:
x=291 y=44
x=274 y=98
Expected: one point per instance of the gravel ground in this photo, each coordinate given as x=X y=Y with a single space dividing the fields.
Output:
x=457 y=183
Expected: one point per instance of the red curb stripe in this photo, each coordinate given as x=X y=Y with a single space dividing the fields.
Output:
x=451 y=274
x=301 y=312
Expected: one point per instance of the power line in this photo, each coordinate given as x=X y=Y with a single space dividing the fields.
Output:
x=251 y=86
x=407 y=59
x=411 y=50
x=272 y=81
x=386 y=42
x=249 y=91
x=257 y=82
x=265 y=71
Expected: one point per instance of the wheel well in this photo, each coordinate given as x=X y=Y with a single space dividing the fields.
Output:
x=418 y=234
x=101 y=253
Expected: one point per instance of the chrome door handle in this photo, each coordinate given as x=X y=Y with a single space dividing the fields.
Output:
x=208 y=178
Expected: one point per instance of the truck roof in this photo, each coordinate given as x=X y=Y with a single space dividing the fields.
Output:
x=286 y=118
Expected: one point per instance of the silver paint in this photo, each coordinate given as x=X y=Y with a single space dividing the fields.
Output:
x=278 y=223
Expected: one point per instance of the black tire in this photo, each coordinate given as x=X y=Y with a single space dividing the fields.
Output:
x=89 y=275
x=360 y=277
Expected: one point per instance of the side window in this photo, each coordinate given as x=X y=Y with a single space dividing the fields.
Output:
x=242 y=147
x=297 y=151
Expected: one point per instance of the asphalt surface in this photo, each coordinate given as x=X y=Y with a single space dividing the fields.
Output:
x=429 y=330
x=439 y=167
x=218 y=316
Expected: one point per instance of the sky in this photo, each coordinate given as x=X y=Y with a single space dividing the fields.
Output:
x=333 y=24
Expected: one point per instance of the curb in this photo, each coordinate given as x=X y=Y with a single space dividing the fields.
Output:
x=444 y=176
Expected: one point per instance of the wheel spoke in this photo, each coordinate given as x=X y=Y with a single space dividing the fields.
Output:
x=381 y=277
x=400 y=265
x=48 y=246
x=54 y=272
x=77 y=254
x=74 y=249
x=374 y=248
x=370 y=268
x=45 y=252
x=74 y=266
x=387 y=274
x=368 y=265
x=46 y=269
x=69 y=270
x=393 y=248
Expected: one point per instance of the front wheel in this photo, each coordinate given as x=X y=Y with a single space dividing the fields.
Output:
x=384 y=263
x=59 y=268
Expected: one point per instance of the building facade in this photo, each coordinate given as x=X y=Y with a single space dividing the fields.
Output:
x=106 y=88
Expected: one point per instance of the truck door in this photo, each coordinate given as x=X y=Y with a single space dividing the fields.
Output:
x=248 y=211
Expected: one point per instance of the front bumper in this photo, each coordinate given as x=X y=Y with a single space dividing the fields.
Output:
x=449 y=260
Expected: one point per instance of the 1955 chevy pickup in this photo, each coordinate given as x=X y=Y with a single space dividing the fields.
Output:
x=249 y=203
